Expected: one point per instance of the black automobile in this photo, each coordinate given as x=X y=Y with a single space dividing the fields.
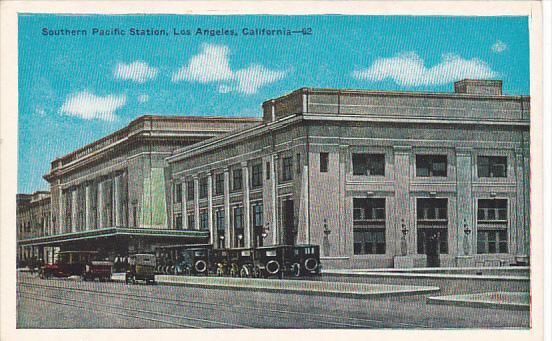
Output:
x=305 y=260
x=194 y=260
x=220 y=262
x=241 y=262
x=273 y=260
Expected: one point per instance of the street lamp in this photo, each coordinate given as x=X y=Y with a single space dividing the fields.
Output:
x=466 y=243
x=326 y=241
x=404 y=245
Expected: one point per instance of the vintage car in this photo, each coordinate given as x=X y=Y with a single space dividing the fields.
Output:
x=141 y=268
x=273 y=260
x=77 y=263
x=195 y=260
x=305 y=260
x=242 y=262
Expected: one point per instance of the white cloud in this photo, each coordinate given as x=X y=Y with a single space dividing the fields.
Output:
x=499 y=46
x=89 y=106
x=138 y=71
x=212 y=65
x=408 y=69
x=143 y=98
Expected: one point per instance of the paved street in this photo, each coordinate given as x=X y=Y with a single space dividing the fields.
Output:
x=68 y=303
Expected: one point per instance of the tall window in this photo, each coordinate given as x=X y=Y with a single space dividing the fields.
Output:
x=298 y=163
x=190 y=190
x=237 y=179
x=178 y=193
x=191 y=221
x=492 y=226
x=203 y=220
x=178 y=221
x=268 y=170
x=220 y=228
x=324 y=162
x=432 y=225
x=257 y=175
x=492 y=166
x=219 y=184
x=238 y=227
x=287 y=168
x=431 y=165
x=368 y=164
x=368 y=226
x=257 y=222
x=203 y=188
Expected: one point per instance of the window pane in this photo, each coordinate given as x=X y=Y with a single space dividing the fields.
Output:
x=323 y=162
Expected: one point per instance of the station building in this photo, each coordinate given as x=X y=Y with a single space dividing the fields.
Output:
x=376 y=178
x=110 y=196
x=33 y=219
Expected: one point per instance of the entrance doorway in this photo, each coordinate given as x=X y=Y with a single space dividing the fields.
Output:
x=288 y=222
x=432 y=242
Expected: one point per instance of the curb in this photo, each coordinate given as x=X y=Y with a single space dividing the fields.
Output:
x=427 y=275
x=417 y=290
x=478 y=304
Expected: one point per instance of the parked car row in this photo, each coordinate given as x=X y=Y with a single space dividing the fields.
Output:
x=265 y=261
x=261 y=262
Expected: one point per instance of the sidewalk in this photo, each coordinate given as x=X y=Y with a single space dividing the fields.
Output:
x=338 y=289
x=500 y=300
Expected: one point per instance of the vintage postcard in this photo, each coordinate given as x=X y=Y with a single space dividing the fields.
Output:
x=299 y=166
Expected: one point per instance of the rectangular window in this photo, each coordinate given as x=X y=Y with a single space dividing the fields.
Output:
x=287 y=168
x=368 y=164
x=431 y=165
x=298 y=163
x=492 y=211
x=238 y=227
x=219 y=184
x=178 y=193
x=237 y=179
x=492 y=241
x=492 y=166
x=203 y=220
x=190 y=190
x=178 y=221
x=369 y=241
x=432 y=210
x=257 y=175
x=268 y=170
x=367 y=210
x=203 y=188
x=257 y=212
x=220 y=221
x=191 y=221
x=324 y=162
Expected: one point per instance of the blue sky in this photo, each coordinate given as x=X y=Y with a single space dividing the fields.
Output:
x=76 y=89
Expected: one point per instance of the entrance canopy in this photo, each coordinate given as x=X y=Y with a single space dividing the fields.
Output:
x=164 y=235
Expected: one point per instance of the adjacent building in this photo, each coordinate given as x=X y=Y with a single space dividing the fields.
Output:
x=376 y=178
x=111 y=195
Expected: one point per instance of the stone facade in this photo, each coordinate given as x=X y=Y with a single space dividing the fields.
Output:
x=33 y=220
x=358 y=171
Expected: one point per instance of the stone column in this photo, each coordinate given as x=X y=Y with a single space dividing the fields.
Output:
x=464 y=203
x=61 y=212
x=100 y=205
x=274 y=177
x=117 y=200
x=228 y=235
x=210 y=208
x=518 y=228
x=196 y=202
x=74 y=211
x=184 y=204
x=246 y=207
x=88 y=207
x=402 y=198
